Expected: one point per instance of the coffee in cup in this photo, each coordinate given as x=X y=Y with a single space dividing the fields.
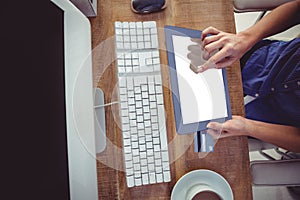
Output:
x=202 y=192
x=206 y=195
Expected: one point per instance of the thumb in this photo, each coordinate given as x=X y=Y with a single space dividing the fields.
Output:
x=215 y=126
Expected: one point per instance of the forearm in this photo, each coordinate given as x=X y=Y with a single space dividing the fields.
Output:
x=287 y=137
x=280 y=19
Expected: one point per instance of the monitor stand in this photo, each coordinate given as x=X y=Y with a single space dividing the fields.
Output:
x=100 y=128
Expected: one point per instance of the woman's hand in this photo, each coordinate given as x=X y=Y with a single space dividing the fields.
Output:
x=287 y=137
x=234 y=127
x=221 y=49
x=231 y=47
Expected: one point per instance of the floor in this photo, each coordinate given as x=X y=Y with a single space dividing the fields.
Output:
x=243 y=21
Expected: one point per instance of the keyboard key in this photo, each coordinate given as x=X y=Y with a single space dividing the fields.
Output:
x=158 y=169
x=130 y=181
x=139 y=31
x=139 y=80
x=158 y=89
x=151 y=166
x=125 y=25
x=128 y=157
x=119 y=32
x=167 y=176
x=159 y=178
x=146 y=32
x=138 y=182
x=166 y=166
x=129 y=172
x=130 y=83
x=136 y=167
x=156 y=67
x=139 y=25
x=127 y=45
x=165 y=156
x=144 y=169
x=118 y=25
x=149 y=24
x=132 y=25
x=127 y=142
x=129 y=164
x=154 y=31
x=154 y=42
x=158 y=79
x=152 y=177
x=151 y=160
x=159 y=99
x=145 y=179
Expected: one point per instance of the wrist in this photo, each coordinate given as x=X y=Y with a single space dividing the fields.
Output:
x=250 y=127
x=250 y=38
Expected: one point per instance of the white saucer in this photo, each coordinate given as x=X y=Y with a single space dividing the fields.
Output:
x=202 y=176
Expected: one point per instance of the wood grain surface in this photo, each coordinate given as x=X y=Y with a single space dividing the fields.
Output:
x=230 y=158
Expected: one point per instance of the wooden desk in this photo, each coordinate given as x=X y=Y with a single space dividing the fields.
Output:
x=230 y=158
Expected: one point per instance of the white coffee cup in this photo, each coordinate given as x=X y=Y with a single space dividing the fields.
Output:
x=202 y=188
x=199 y=183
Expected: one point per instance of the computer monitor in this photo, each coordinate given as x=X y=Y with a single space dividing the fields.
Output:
x=79 y=103
x=47 y=127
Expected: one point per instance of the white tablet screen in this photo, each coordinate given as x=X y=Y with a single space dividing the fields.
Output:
x=202 y=96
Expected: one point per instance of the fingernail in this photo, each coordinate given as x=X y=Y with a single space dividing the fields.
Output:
x=200 y=69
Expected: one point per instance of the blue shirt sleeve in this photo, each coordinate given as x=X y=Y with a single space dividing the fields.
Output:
x=272 y=75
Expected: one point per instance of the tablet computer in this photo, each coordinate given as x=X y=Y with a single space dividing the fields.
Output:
x=197 y=98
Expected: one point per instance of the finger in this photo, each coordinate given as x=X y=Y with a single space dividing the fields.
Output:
x=204 y=67
x=195 y=69
x=225 y=62
x=207 y=65
x=210 y=39
x=196 y=59
x=213 y=61
x=198 y=50
x=215 y=126
x=196 y=40
x=215 y=129
x=195 y=48
x=210 y=30
x=205 y=55
x=215 y=134
x=222 y=54
x=214 y=47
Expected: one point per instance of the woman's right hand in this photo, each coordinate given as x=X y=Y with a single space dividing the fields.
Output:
x=230 y=48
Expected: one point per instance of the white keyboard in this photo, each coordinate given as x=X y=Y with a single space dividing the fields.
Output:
x=142 y=111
